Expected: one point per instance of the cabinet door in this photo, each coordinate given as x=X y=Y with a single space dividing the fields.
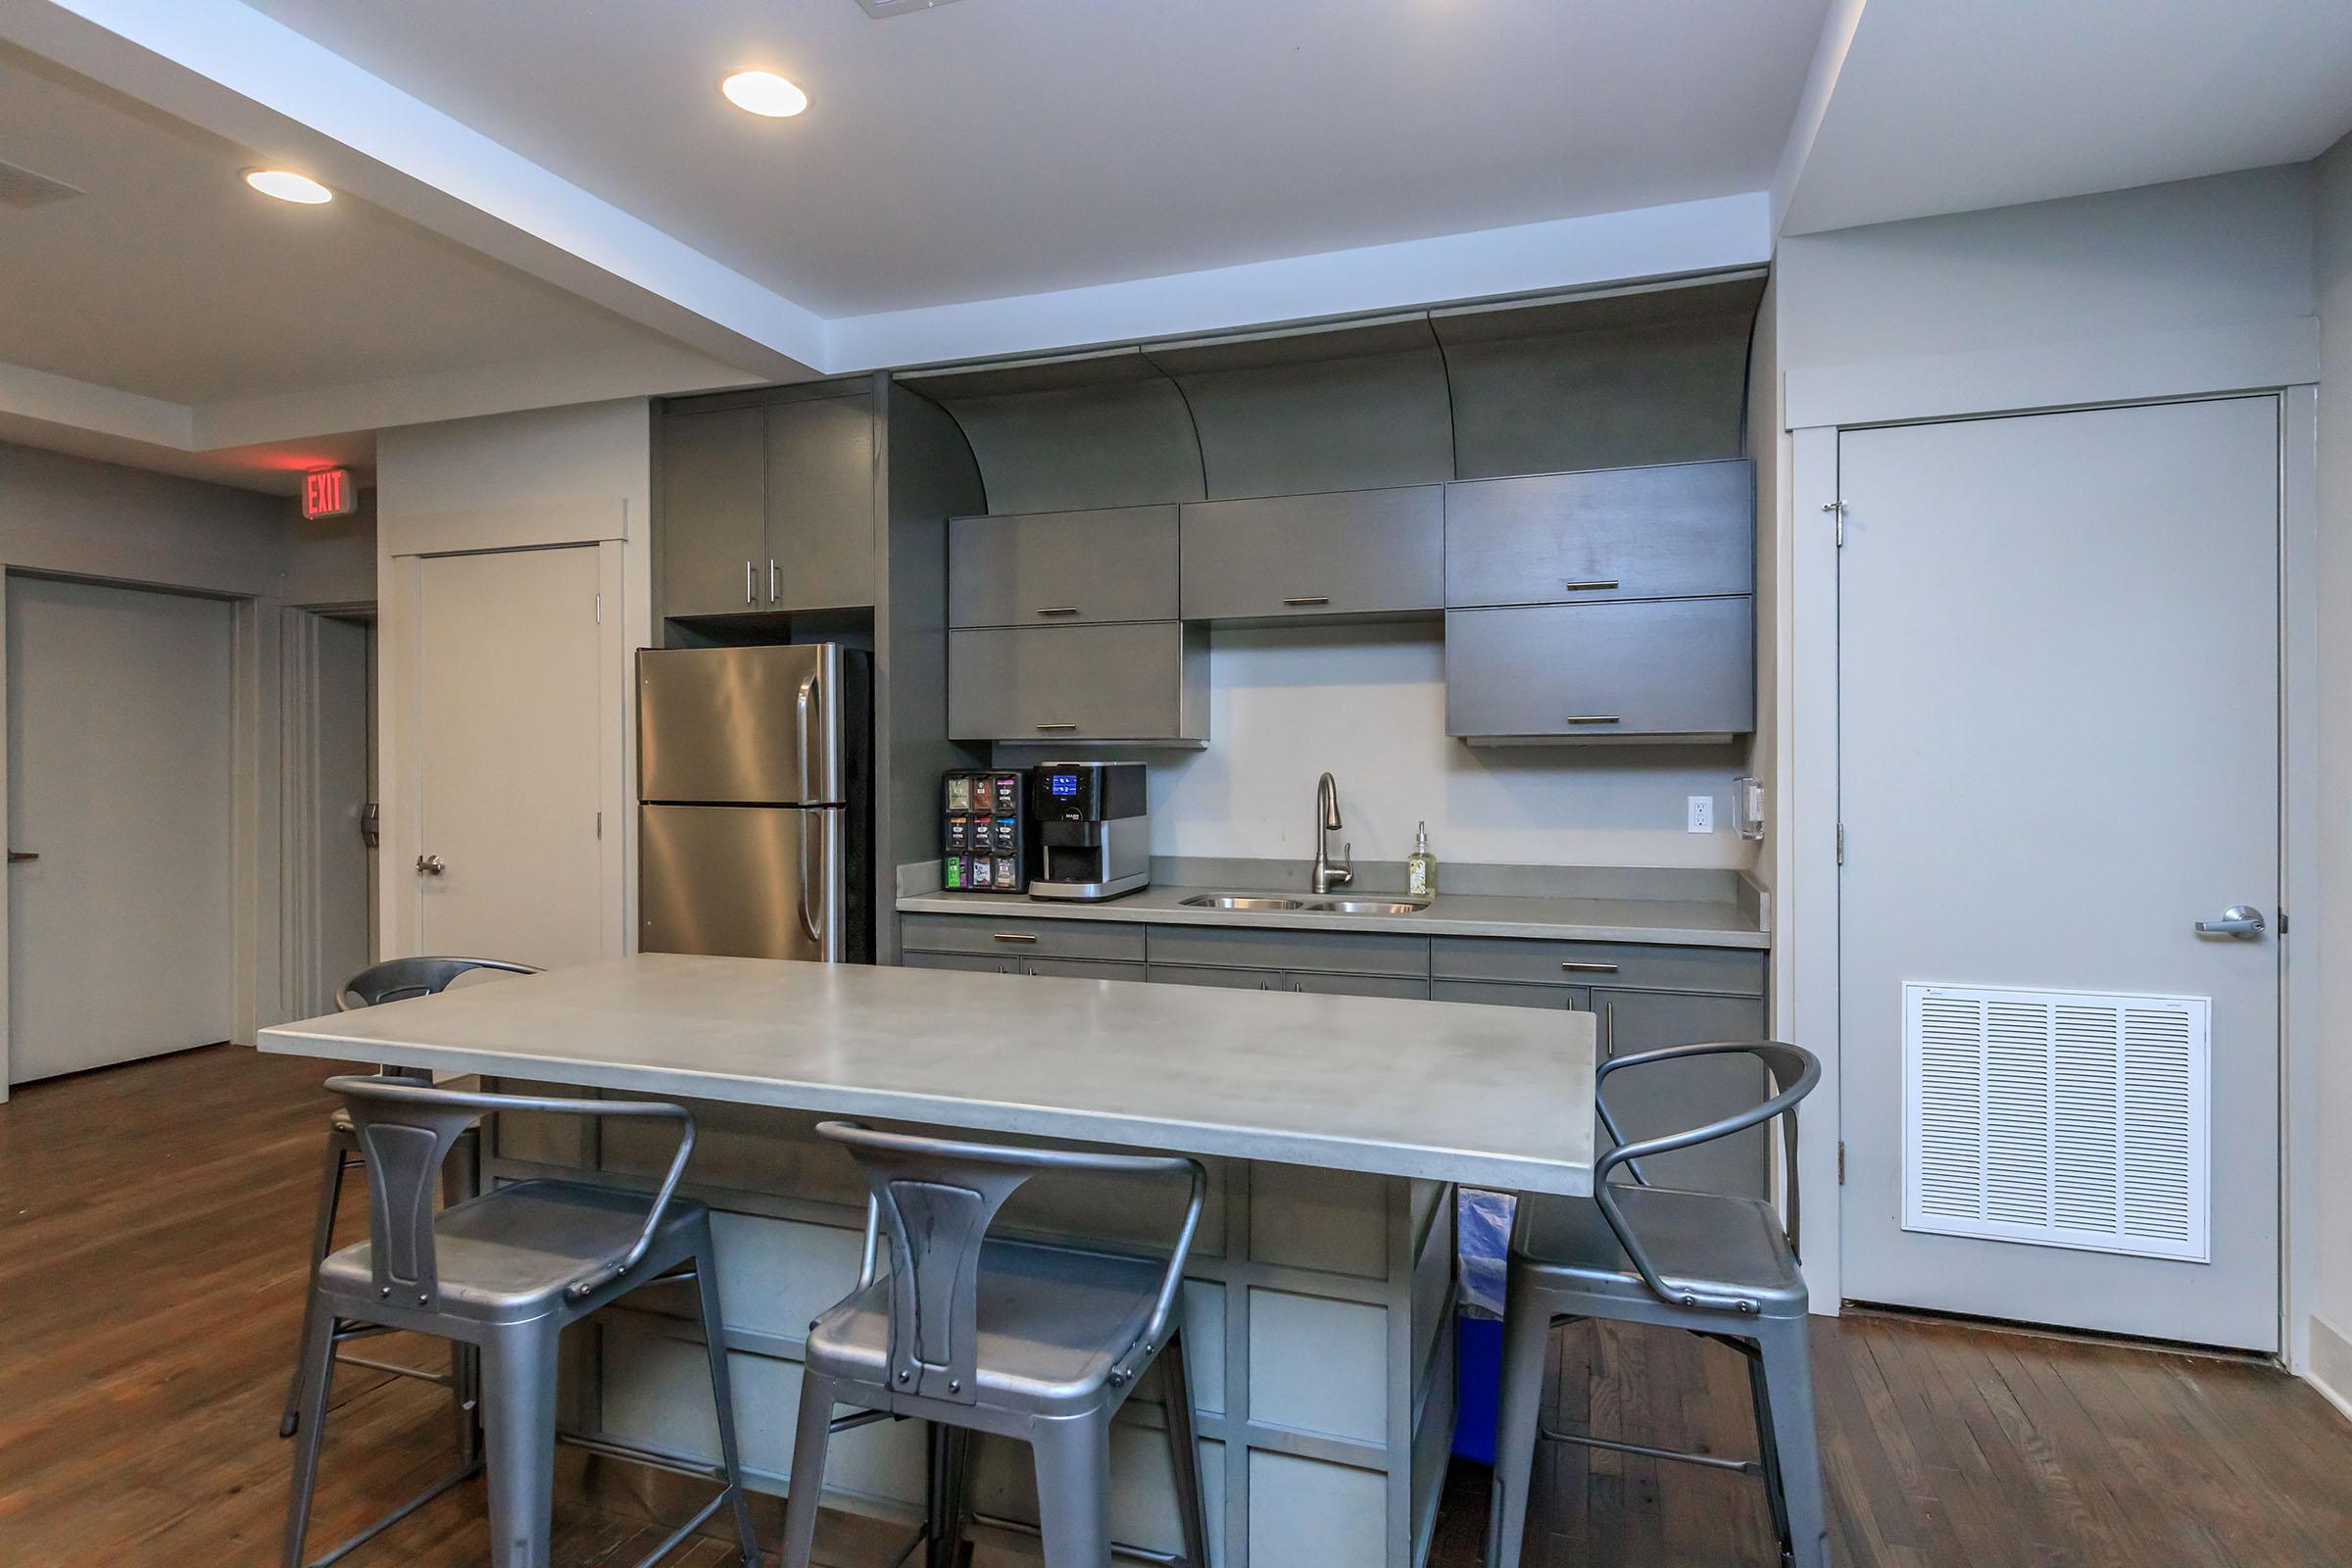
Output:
x=1185 y=974
x=1678 y=531
x=1676 y=1096
x=1559 y=998
x=964 y=961
x=1666 y=667
x=1133 y=681
x=1082 y=969
x=713 y=553
x=1361 y=985
x=1360 y=552
x=821 y=503
x=1062 y=567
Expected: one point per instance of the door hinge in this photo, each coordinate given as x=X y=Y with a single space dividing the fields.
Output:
x=1841 y=1162
x=1841 y=844
x=600 y=610
x=599 y=824
x=1837 y=510
x=2283 y=919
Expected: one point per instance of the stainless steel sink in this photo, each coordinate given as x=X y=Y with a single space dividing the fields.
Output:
x=1238 y=900
x=1364 y=906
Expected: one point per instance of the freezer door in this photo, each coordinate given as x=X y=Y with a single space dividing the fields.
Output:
x=740 y=881
x=755 y=726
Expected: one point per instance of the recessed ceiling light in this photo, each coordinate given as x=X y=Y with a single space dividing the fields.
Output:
x=288 y=186
x=764 y=92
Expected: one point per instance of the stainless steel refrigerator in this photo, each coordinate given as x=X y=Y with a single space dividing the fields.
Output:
x=753 y=802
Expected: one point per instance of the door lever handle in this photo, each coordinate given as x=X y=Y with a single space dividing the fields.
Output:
x=2239 y=921
x=431 y=864
x=19 y=856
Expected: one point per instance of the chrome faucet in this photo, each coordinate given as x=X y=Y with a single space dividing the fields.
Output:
x=1327 y=821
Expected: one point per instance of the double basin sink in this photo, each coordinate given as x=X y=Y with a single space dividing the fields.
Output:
x=1310 y=906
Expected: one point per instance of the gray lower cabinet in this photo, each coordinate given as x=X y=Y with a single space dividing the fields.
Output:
x=1678 y=1096
x=1056 y=968
x=1668 y=667
x=1559 y=998
x=1062 y=567
x=1678 y=530
x=819 y=502
x=1135 y=682
x=971 y=963
x=1351 y=553
x=713 y=523
x=1404 y=988
x=1183 y=974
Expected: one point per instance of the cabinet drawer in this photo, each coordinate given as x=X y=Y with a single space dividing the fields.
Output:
x=968 y=964
x=1253 y=947
x=1560 y=999
x=1738 y=972
x=1676 y=666
x=1083 y=970
x=1402 y=987
x=1133 y=681
x=1166 y=974
x=1358 y=552
x=1062 y=567
x=1676 y=531
x=1016 y=938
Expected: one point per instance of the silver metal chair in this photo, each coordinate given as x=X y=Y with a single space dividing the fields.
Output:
x=1717 y=1266
x=1040 y=1343
x=504 y=1274
x=393 y=980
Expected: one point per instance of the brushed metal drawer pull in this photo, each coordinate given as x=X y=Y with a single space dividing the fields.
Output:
x=1060 y=610
x=1014 y=936
x=1309 y=599
x=1594 y=718
x=1056 y=726
x=1595 y=585
x=1576 y=967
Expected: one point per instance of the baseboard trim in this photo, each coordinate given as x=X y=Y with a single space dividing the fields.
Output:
x=2331 y=1370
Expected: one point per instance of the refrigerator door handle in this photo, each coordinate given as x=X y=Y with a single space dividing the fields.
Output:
x=813 y=872
x=804 y=703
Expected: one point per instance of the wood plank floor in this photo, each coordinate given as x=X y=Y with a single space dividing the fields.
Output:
x=152 y=1221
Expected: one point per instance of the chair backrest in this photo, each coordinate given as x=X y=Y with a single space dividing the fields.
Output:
x=934 y=1199
x=399 y=979
x=1793 y=1072
x=406 y=1130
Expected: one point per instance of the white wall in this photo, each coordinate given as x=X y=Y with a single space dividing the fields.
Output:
x=2331 y=1307
x=1367 y=704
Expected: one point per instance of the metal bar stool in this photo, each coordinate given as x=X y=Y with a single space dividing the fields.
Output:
x=504 y=1274
x=393 y=980
x=1040 y=1344
x=1717 y=1266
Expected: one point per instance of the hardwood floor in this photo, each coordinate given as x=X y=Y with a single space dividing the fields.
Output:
x=152 y=1221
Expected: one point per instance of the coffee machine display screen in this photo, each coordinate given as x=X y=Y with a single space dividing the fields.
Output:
x=1063 y=786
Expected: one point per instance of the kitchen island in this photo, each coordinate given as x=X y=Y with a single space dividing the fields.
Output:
x=1318 y=1301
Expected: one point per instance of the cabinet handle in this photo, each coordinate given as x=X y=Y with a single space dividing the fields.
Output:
x=1056 y=726
x=1595 y=585
x=774 y=593
x=746 y=584
x=1594 y=718
x=1014 y=936
x=1060 y=610
x=1309 y=599
x=1578 y=966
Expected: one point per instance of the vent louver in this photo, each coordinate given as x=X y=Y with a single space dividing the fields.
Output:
x=879 y=9
x=2058 y=1119
x=22 y=187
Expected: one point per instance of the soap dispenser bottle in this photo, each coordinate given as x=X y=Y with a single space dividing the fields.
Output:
x=1421 y=870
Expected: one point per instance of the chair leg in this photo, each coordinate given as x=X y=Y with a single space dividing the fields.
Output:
x=313 y=1378
x=1526 y=1344
x=1184 y=1451
x=961 y=1443
x=1768 y=1445
x=322 y=1242
x=715 y=1341
x=1788 y=1376
x=807 y=1471
x=939 y=1521
x=1073 y=1490
x=518 y=1430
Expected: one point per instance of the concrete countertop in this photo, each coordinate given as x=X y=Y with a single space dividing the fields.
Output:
x=1492 y=1096
x=1672 y=922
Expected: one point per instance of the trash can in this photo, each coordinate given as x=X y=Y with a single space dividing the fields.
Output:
x=1483 y=1245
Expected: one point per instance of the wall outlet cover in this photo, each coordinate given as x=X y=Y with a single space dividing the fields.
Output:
x=1702 y=813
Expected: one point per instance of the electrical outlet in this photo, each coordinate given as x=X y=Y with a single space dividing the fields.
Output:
x=1702 y=813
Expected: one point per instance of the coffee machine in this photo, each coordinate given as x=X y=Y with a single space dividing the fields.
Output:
x=1093 y=828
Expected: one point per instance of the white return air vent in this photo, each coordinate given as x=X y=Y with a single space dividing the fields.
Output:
x=2059 y=1118
x=22 y=187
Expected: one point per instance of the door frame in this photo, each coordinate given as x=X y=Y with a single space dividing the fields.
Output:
x=1808 y=979
x=300 y=705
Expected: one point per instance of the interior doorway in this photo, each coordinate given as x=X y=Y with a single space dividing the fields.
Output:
x=121 y=754
x=330 y=813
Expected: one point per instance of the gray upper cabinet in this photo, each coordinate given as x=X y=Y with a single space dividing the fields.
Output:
x=1349 y=553
x=819 y=502
x=1062 y=567
x=1130 y=681
x=1676 y=531
x=1671 y=667
x=713 y=530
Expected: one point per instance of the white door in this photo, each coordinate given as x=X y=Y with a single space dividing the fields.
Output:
x=507 y=753
x=2059 y=751
x=344 y=736
x=120 y=935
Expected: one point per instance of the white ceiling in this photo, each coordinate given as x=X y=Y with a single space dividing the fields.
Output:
x=1948 y=105
x=1011 y=147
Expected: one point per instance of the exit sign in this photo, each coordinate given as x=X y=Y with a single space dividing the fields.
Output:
x=328 y=493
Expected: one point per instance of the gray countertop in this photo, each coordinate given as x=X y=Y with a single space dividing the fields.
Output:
x=1677 y=922
x=1495 y=1096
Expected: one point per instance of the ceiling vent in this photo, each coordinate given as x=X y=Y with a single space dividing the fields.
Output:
x=22 y=187
x=879 y=9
